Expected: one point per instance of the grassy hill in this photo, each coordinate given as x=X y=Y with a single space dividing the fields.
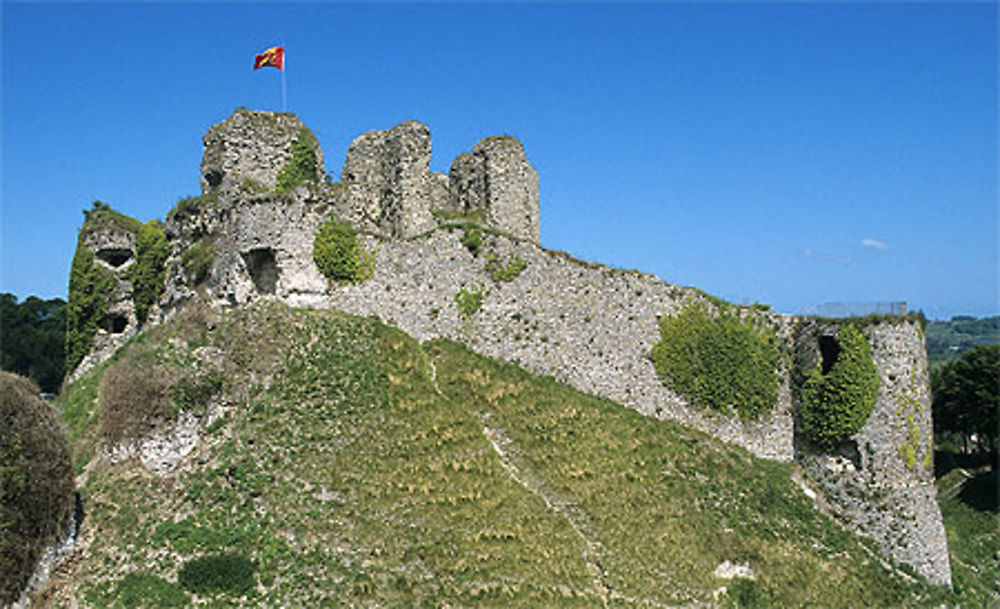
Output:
x=342 y=463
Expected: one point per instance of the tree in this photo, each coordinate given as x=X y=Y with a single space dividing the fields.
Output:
x=967 y=397
x=31 y=339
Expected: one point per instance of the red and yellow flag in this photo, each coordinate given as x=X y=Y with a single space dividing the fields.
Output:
x=274 y=57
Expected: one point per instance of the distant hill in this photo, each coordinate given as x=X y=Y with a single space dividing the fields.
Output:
x=949 y=339
x=297 y=458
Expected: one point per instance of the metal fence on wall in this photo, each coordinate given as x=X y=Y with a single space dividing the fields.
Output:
x=855 y=309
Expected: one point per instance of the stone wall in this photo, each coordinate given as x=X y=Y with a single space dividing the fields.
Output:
x=585 y=324
x=388 y=182
x=251 y=145
x=498 y=181
x=881 y=484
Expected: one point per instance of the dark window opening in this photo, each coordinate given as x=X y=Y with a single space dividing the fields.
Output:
x=829 y=350
x=263 y=269
x=115 y=324
x=213 y=177
x=115 y=256
x=849 y=450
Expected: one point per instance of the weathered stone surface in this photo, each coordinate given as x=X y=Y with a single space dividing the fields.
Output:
x=882 y=486
x=388 y=182
x=498 y=180
x=111 y=243
x=251 y=145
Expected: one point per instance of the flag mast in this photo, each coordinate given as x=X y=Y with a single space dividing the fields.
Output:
x=284 y=66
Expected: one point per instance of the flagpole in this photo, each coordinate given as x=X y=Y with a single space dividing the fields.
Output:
x=284 y=95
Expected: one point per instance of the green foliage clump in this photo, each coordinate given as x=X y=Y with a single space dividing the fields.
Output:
x=197 y=260
x=300 y=166
x=194 y=393
x=469 y=301
x=720 y=362
x=500 y=271
x=191 y=206
x=836 y=405
x=149 y=270
x=747 y=594
x=967 y=396
x=34 y=335
x=230 y=573
x=89 y=290
x=472 y=239
x=147 y=590
x=36 y=481
x=339 y=256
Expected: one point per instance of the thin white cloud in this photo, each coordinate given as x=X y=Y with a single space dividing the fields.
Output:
x=823 y=257
x=874 y=244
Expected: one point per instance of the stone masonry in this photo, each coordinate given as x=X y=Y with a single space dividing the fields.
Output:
x=497 y=180
x=585 y=324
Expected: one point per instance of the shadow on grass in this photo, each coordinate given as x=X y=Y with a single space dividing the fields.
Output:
x=981 y=492
x=946 y=461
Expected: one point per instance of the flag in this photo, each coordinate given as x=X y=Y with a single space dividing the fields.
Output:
x=274 y=57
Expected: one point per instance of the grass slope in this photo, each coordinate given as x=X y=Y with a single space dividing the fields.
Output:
x=347 y=465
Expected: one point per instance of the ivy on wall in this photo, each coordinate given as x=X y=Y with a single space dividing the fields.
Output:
x=301 y=164
x=149 y=270
x=722 y=363
x=836 y=405
x=90 y=287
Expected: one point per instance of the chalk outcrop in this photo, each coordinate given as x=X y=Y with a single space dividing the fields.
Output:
x=588 y=325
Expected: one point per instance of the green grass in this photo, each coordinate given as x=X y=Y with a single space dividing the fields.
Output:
x=357 y=467
x=969 y=507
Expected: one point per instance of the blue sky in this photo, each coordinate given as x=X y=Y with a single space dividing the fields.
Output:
x=785 y=153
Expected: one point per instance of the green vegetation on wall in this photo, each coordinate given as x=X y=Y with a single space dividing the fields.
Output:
x=836 y=405
x=472 y=239
x=720 y=362
x=149 y=270
x=469 y=301
x=89 y=290
x=197 y=260
x=338 y=255
x=301 y=163
x=505 y=271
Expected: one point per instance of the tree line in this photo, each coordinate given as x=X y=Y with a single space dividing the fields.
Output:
x=32 y=339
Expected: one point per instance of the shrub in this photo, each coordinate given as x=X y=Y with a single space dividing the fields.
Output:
x=500 y=271
x=36 y=481
x=217 y=573
x=469 y=301
x=301 y=163
x=134 y=400
x=149 y=270
x=836 y=405
x=339 y=256
x=719 y=363
x=197 y=260
x=472 y=239
x=194 y=393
